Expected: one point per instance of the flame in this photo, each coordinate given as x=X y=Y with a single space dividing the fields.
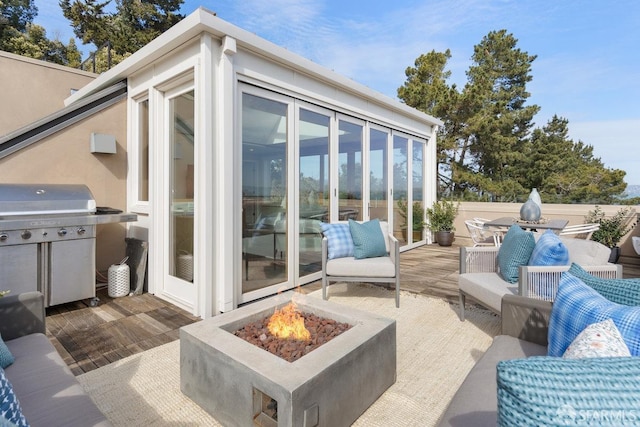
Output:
x=288 y=323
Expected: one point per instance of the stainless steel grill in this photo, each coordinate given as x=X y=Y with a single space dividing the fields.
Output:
x=47 y=240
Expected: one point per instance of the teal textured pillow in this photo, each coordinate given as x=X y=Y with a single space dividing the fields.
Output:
x=551 y=391
x=368 y=241
x=6 y=358
x=620 y=291
x=339 y=241
x=514 y=252
x=549 y=250
x=577 y=306
x=10 y=408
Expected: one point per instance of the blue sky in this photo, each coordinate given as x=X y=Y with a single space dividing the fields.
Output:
x=587 y=68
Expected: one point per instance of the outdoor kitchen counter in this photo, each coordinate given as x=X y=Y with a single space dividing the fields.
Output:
x=64 y=221
x=111 y=218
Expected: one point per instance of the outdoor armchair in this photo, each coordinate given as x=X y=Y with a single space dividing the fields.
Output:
x=479 y=277
x=383 y=269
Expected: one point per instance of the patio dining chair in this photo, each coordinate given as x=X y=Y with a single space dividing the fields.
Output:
x=580 y=231
x=480 y=235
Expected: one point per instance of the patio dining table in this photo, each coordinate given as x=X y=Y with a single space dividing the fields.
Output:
x=557 y=225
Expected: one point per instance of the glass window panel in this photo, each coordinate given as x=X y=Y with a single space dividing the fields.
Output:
x=378 y=174
x=314 y=187
x=417 y=190
x=402 y=215
x=143 y=153
x=264 y=189
x=181 y=109
x=350 y=171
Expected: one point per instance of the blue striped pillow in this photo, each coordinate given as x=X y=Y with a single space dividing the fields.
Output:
x=549 y=250
x=514 y=252
x=339 y=241
x=577 y=306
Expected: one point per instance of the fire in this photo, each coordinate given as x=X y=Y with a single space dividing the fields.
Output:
x=288 y=323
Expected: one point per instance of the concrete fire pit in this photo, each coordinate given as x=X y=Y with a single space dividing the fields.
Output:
x=240 y=384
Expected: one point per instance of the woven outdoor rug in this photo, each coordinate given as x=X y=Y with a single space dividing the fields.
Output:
x=435 y=353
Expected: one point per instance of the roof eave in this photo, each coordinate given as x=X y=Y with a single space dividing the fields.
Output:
x=203 y=20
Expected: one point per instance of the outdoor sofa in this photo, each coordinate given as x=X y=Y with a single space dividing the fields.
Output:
x=480 y=276
x=48 y=393
x=571 y=362
x=524 y=333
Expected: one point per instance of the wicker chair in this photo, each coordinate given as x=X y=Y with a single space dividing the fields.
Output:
x=580 y=231
x=480 y=235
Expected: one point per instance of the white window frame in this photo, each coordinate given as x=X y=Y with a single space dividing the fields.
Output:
x=135 y=154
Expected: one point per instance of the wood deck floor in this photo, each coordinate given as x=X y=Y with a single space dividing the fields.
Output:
x=90 y=337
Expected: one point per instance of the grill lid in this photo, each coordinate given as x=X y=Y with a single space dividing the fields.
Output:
x=45 y=199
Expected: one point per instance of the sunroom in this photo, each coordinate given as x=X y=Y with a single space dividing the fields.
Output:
x=238 y=149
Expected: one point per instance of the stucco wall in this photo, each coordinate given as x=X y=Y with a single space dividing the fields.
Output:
x=65 y=158
x=33 y=89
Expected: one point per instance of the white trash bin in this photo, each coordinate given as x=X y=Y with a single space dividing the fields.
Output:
x=118 y=280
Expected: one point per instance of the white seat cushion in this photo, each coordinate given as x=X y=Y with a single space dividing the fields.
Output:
x=486 y=287
x=367 y=267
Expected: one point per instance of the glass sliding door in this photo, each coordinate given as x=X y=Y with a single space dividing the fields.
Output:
x=350 y=140
x=378 y=174
x=179 y=232
x=417 y=193
x=313 y=195
x=402 y=214
x=264 y=192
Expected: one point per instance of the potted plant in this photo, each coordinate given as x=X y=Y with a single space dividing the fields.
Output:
x=611 y=230
x=440 y=217
x=417 y=218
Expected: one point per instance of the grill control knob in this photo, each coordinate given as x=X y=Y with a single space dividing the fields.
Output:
x=81 y=231
x=3 y=237
x=62 y=232
x=26 y=234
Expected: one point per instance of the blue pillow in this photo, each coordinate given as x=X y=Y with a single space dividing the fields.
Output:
x=577 y=306
x=368 y=240
x=339 y=241
x=620 y=291
x=514 y=252
x=549 y=250
x=551 y=391
x=6 y=358
x=9 y=406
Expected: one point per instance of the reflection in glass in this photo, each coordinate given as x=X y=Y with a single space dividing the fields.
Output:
x=314 y=187
x=350 y=171
x=181 y=110
x=143 y=153
x=264 y=189
x=402 y=215
x=378 y=174
x=417 y=190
